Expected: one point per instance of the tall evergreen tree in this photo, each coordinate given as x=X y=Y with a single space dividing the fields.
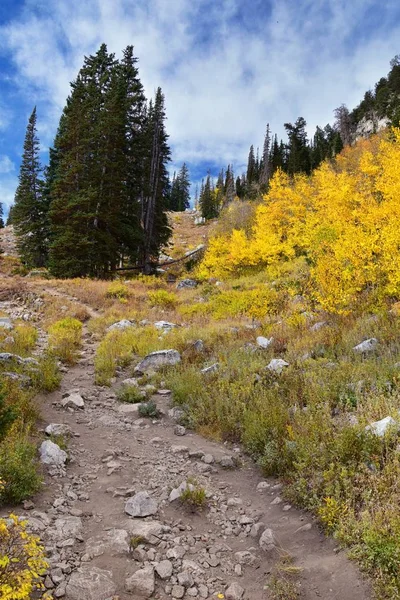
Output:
x=229 y=186
x=180 y=190
x=251 y=167
x=1 y=216
x=30 y=211
x=265 y=161
x=209 y=208
x=154 y=217
x=298 y=159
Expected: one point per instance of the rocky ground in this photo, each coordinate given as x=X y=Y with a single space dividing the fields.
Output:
x=114 y=526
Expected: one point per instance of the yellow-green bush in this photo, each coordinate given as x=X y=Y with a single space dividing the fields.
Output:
x=22 y=560
x=65 y=339
x=119 y=347
x=162 y=299
x=118 y=290
x=21 y=340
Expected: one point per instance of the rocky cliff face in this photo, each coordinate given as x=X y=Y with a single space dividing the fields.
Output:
x=369 y=125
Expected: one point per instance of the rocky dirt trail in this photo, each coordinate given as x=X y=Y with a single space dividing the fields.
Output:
x=120 y=463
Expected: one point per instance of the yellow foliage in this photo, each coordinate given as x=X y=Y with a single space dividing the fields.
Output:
x=343 y=220
x=118 y=290
x=22 y=560
x=65 y=338
x=162 y=298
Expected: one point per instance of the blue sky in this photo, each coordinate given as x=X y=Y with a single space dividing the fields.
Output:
x=227 y=67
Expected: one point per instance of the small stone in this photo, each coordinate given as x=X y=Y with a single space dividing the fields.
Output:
x=179 y=449
x=179 y=430
x=203 y=591
x=234 y=502
x=208 y=459
x=178 y=591
x=58 y=429
x=267 y=540
x=227 y=462
x=238 y=570
x=6 y=323
x=141 y=505
x=276 y=500
x=234 y=592
x=164 y=325
x=164 y=569
x=193 y=592
x=176 y=493
x=262 y=487
x=141 y=583
x=185 y=579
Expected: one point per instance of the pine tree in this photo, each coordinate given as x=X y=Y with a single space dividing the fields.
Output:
x=239 y=190
x=180 y=190
x=229 y=184
x=1 y=216
x=209 y=208
x=82 y=213
x=251 y=167
x=30 y=211
x=298 y=159
x=265 y=161
x=154 y=217
x=10 y=216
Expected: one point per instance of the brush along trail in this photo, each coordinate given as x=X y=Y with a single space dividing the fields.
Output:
x=115 y=523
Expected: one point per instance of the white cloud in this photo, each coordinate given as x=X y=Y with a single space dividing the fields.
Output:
x=7 y=191
x=6 y=164
x=307 y=58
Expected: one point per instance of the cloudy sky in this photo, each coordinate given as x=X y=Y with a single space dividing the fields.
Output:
x=227 y=67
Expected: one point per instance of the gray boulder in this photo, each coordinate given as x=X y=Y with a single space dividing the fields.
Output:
x=90 y=583
x=379 y=428
x=6 y=323
x=164 y=325
x=115 y=541
x=164 y=569
x=141 y=583
x=141 y=505
x=74 y=400
x=263 y=342
x=58 y=429
x=7 y=357
x=186 y=283
x=267 y=541
x=150 y=531
x=366 y=346
x=51 y=454
x=156 y=360
x=121 y=325
x=277 y=365
x=234 y=592
x=177 y=492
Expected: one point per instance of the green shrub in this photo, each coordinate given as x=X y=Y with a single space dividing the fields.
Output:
x=18 y=468
x=149 y=409
x=131 y=394
x=193 y=497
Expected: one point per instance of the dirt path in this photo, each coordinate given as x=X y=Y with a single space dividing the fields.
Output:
x=114 y=454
